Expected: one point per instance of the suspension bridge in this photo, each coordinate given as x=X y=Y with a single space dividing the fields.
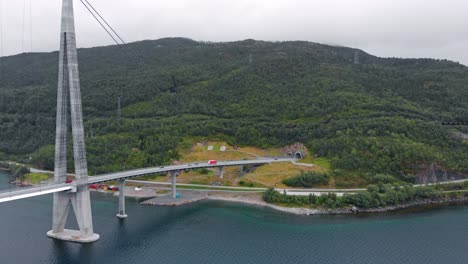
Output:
x=69 y=109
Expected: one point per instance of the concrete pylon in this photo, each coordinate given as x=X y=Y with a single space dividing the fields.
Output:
x=221 y=172
x=69 y=94
x=174 y=184
x=122 y=214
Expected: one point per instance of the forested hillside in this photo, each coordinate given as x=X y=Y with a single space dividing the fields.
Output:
x=378 y=116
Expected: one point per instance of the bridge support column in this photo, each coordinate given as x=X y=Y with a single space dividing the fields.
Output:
x=221 y=172
x=174 y=182
x=122 y=214
x=80 y=202
x=241 y=169
x=69 y=99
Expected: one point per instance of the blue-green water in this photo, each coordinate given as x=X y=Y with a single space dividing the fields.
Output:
x=218 y=232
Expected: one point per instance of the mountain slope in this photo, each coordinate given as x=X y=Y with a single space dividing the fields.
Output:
x=378 y=116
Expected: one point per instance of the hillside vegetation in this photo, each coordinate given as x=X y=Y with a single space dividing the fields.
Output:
x=378 y=117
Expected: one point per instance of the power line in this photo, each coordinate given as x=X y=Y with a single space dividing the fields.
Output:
x=30 y=26
x=100 y=23
x=24 y=24
x=95 y=14
x=23 y=35
x=1 y=39
x=1 y=30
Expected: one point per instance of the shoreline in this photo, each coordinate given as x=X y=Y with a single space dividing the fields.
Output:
x=255 y=199
x=421 y=204
x=290 y=210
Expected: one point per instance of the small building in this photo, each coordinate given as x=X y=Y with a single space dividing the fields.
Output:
x=223 y=148
x=210 y=148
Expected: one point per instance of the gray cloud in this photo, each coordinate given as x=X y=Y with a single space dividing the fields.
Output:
x=388 y=28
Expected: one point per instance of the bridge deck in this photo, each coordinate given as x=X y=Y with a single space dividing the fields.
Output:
x=8 y=195
x=12 y=195
x=190 y=166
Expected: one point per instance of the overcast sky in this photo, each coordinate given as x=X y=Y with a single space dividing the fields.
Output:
x=386 y=28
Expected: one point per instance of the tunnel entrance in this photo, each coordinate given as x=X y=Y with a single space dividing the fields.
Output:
x=298 y=155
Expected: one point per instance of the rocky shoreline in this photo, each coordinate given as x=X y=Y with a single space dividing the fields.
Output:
x=349 y=210
x=296 y=211
x=414 y=204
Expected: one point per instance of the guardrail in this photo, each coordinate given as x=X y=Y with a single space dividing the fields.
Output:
x=11 y=195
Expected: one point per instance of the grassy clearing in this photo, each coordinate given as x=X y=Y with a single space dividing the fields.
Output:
x=308 y=159
x=272 y=175
x=36 y=178
x=202 y=154
x=198 y=151
x=322 y=162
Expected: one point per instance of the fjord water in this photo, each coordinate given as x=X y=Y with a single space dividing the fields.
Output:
x=219 y=232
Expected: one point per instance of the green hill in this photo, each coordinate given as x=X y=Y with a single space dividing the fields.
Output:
x=381 y=116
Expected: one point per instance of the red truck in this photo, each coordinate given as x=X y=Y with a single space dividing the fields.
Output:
x=212 y=162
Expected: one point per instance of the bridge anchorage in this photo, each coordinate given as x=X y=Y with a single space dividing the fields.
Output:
x=69 y=95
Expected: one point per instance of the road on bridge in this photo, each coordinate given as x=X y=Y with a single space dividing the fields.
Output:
x=11 y=195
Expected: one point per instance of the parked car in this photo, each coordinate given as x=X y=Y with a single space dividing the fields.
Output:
x=94 y=186
x=212 y=162
x=113 y=188
x=68 y=181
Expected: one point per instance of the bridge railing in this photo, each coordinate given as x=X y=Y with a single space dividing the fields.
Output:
x=43 y=186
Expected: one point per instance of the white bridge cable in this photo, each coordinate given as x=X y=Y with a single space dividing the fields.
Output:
x=30 y=26
x=110 y=31
x=1 y=39
x=23 y=25
x=118 y=36
x=27 y=14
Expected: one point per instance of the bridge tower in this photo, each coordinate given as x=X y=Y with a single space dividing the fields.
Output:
x=69 y=101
